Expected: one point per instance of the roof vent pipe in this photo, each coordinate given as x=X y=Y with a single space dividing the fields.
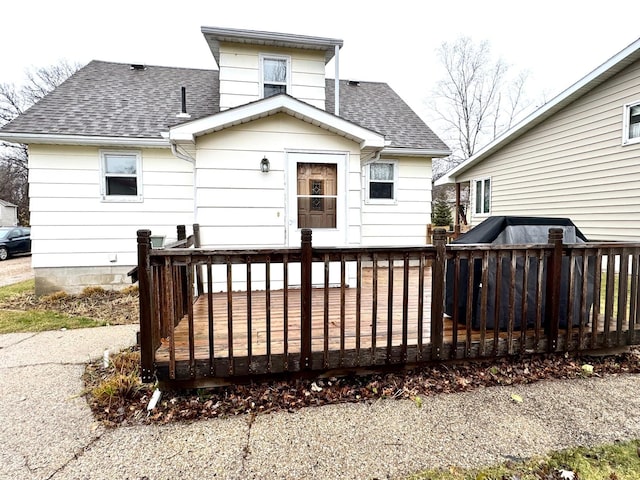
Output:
x=183 y=112
x=337 y=80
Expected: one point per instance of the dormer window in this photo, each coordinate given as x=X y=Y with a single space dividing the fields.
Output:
x=275 y=74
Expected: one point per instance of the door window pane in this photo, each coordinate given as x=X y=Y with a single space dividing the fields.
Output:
x=317 y=195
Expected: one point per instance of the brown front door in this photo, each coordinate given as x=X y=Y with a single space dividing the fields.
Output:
x=317 y=194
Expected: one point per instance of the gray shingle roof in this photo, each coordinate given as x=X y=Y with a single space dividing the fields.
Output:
x=112 y=100
x=377 y=107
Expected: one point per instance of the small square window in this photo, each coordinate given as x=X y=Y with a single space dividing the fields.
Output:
x=483 y=196
x=631 y=123
x=120 y=172
x=381 y=181
x=275 y=75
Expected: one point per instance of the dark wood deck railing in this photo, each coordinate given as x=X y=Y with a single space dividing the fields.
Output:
x=390 y=306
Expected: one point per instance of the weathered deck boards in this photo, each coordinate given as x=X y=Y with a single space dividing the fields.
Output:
x=259 y=331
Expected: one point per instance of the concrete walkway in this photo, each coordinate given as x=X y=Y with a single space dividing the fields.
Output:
x=47 y=431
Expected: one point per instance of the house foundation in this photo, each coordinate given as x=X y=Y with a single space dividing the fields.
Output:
x=75 y=279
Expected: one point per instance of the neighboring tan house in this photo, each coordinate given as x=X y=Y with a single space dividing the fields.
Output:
x=578 y=156
x=253 y=152
x=8 y=214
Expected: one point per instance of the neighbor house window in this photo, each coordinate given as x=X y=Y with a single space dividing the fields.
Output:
x=483 y=196
x=275 y=75
x=631 y=124
x=381 y=182
x=120 y=176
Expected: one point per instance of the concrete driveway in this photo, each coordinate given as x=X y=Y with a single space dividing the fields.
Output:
x=15 y=269
x=47 y=430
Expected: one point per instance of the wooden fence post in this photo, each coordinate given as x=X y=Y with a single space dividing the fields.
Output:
x=147 y=347
x=197 y=244
x=305 y=298
x=184 y=295
x=437 y=292
x=554 y=282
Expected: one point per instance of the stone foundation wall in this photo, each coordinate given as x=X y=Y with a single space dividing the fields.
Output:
x=75 y=279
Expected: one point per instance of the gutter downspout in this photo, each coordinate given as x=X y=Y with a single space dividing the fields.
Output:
x=192 y=161
x=337 y=82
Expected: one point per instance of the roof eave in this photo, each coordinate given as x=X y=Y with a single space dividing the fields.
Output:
x=188 y=132
x=416 y=152
x=89 y=140
x=596 y=77
x=215 y=35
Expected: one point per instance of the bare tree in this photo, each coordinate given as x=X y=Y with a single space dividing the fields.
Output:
x=476 y=100
x=14 y=157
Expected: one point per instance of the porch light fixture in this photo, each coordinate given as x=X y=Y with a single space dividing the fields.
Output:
x=264 y=165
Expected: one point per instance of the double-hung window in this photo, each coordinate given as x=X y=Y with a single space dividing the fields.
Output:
x=381 y=182
x=482 y=196
x=120 y=176
x=631 y=124
x=275 y=74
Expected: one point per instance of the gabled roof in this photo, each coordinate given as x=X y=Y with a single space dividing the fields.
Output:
x=108 y=103
x=376 y=106
x=604 y=72
x=187 y=132
x=215 y=35
x=4 y=203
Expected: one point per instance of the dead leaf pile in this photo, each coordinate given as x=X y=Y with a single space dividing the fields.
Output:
x=291 y=395
x=113 y=307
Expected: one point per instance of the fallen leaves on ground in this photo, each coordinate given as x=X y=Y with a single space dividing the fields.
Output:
x=293 y=394
x=113 y=307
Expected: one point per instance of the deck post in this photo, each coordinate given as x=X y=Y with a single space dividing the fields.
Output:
x=147 y=347
x=437 y=292
x=306 y=259
x=182 y=235
x=554 y=281
x=197 y=244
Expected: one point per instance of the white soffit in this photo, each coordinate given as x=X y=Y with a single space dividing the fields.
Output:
x=187 y=132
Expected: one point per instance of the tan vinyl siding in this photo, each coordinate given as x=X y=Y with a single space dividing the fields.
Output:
x=573 y=165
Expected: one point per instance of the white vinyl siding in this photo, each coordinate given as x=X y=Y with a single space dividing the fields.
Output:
x=403 y=222
x=237 y=204
x=573 y=165
x=73 y=227
x=240 y=74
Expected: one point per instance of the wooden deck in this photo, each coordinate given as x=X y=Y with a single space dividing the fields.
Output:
x=283 y=332
x=386 y=317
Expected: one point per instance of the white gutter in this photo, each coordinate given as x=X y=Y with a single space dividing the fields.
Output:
x=181 y=156
x=416 y=152
x=337 y=82
x=48 y=139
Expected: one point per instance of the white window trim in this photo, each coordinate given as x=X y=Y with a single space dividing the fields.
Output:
x=267 y=56
x=103 y=187
x=626 y=109
x=381 y=201
x=473 y=205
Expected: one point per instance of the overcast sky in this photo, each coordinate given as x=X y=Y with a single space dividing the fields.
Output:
x=557 y=41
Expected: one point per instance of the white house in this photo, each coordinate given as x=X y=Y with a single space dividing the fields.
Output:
x=253 y=152
x=8 y=214
x=577 y=157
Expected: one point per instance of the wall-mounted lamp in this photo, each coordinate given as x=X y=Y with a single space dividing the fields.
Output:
x=264 y=165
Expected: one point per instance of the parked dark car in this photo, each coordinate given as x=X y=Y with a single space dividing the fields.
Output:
x=14 y=240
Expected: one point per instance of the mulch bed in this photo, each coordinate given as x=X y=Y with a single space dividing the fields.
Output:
x=129 y=406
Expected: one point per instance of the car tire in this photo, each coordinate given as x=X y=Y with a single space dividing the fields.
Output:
x=4 y=254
